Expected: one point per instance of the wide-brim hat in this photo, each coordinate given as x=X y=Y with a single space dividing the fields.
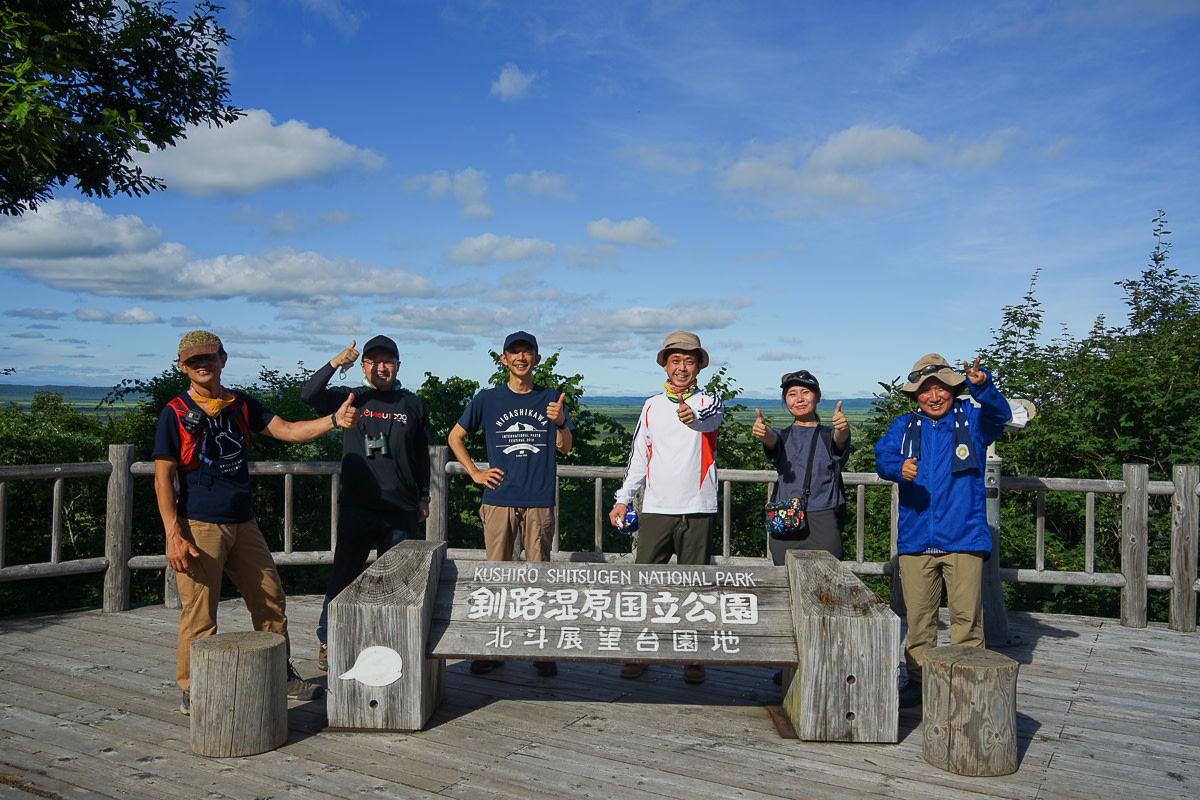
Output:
x=199 y=343
x=682 y=340
x=932 y=366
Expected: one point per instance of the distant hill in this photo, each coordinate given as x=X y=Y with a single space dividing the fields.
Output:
x=82 y=398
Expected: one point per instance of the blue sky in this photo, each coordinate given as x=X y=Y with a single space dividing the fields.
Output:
x=841 y=187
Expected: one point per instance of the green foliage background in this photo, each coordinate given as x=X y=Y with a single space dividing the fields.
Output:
x=1125 y=393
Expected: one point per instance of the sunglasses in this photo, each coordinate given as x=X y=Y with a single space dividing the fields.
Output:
x=929 y=369
x=803 y=377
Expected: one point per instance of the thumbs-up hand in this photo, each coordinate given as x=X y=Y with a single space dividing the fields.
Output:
x=759 y=428
x=840 y=423
x=909 y=470
x=346 y=357
x=685 y=413
x=557 y=410
x=347 y=415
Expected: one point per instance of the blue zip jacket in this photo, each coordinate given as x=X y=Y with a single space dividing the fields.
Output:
x=940 y=509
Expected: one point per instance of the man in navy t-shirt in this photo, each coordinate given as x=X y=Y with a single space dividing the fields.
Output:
x=202 y=483
x=523 y=425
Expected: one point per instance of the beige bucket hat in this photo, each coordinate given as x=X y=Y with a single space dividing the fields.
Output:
x=682 y=340
x=932 y=366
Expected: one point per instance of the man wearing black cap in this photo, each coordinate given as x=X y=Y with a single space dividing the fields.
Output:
x=202 y=483
x=523 y=424
x=385 y=464
x=936 y=456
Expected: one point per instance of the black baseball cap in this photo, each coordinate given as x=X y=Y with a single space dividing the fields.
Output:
x=520 y=336
x=381 y=343
x=801 y=377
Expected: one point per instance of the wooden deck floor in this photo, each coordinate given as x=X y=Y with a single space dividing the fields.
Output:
x=88 y=709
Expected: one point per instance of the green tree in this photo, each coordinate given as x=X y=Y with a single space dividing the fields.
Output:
x=86 y=84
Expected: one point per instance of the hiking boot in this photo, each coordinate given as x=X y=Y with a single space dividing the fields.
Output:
x=547 y=669
x=632 y=671
x=300 y=689
x=323 y=657
x=483 y=667
x=910 y=694
x=185 y=705
x=694 y=673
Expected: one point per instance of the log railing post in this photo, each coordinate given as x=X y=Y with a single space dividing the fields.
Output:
x=437 y=525
x=897 y=592
x=1185 y=519
x=1135 y=515
x=118 y=528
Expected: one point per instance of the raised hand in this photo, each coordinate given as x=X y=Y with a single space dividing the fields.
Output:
x=975 y=375
x=345 y=358
x=347 y=415
x=760 y=427
x=840 y=423
x=909 y=470
x=555 y=410
x=685 y=413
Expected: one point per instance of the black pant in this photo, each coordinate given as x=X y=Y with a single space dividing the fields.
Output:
x=824 y=532
x=359 y=532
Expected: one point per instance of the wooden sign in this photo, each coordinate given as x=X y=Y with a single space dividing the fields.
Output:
x=613 y=612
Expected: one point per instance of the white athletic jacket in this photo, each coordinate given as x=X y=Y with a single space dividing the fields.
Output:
x=676 y=462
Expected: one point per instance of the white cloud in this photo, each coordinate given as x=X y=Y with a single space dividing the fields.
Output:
x=986 y=153
x=638 y=232
x=468 y=186
x=130 y=316
x=538 y=183
x=691 y=316
x=336 y=12
x=254 y=154
x=461 y=320
x=512 y=83
x=490 y=248
x=190 y=321
x=28 y=335
x=679 y=160
x=72 y=245
x=595 y=257
x=287 y=223
x=35 y=313
x=738 y=301
x=779 y=355
x=836 y=170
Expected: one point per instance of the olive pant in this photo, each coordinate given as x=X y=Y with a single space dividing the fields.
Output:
x=922 y=577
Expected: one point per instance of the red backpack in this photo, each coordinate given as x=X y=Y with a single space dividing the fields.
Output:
x=193 y=427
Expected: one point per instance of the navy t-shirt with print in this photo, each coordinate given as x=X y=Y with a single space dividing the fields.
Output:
x=218 y=490
x=520 y=441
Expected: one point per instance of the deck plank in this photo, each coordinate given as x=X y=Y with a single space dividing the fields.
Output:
x=88 y=708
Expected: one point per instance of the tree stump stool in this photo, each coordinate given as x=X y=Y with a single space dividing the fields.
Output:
x=239 y=694
x=970 y=709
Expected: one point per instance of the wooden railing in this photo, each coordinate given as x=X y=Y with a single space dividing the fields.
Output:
x=1133 y=580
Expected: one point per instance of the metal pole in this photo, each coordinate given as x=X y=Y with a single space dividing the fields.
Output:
x=995 y=614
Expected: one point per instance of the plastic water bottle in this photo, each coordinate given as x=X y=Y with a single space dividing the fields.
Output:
x=630 y=523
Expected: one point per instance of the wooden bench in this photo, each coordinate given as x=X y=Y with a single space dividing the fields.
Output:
x=412 y=609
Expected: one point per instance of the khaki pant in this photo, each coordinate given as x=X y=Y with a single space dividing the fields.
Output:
x=502 y=524
x=239 y=550
x=922 y=578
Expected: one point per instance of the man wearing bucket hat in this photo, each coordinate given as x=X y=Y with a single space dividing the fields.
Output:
x=202 y=483
x=679 y=511
x=936 y=456
x=384 y=491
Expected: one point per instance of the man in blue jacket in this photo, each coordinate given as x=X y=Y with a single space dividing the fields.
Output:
x=936 y=455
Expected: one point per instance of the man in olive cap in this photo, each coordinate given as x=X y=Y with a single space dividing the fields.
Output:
x=202 y=482
x=936 y=455
x=679 y=511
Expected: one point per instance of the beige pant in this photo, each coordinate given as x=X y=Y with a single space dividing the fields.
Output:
x=922 y=578
x=502 y=524
x=239 y=550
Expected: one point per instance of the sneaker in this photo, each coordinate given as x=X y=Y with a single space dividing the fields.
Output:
x=547 y=669
x=483 y=667
x=185 y=705
x=694 y=673
x=323 y=657
x=632 y=671
x=300 y=689
x=910 y=694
